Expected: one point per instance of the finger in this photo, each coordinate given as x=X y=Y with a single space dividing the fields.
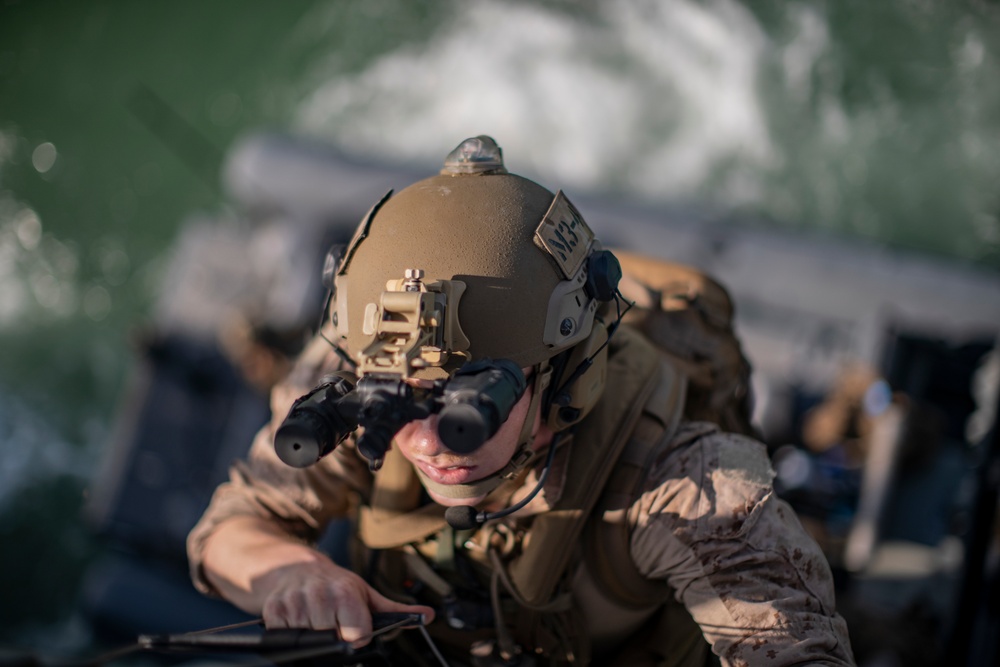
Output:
x=354 y=620
x=296 y=609
x=286 y=611
x=321 y=605
x=274 y=613
x=379 y=602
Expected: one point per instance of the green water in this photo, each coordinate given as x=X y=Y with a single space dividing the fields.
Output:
x=139 y=101
x=873 y=120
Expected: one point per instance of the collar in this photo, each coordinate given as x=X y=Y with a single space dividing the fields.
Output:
x=554 y=485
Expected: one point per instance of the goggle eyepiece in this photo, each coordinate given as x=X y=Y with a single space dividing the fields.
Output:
x=477 y=401
x=472 y=404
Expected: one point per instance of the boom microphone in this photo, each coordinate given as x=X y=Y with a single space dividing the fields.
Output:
x=467 y=517
x=464 y=517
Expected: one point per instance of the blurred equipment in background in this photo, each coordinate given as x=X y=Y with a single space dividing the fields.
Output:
x=884 y=477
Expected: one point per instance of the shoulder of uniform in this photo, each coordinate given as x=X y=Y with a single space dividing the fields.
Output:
x=714 y=483
x=725 y=453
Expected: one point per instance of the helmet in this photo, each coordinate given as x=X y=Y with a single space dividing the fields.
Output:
x=473 y=265
x=515 y=273
x=519 y=251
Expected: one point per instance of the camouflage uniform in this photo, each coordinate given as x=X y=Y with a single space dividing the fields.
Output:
x=742 y=572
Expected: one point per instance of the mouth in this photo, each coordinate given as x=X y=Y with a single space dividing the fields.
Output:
x=455 y=474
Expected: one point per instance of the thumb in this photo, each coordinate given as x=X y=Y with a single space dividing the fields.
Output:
x=380 y=603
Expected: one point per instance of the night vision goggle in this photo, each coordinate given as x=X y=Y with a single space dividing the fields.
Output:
x=415 y=328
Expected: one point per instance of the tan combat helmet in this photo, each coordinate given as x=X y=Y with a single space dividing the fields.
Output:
x=503 y=266
x=514 y=245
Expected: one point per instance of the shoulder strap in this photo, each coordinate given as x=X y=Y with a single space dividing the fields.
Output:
x=394 y=516
x=643 y=388
x=607 y=552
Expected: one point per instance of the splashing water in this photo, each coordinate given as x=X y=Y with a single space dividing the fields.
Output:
x=798 y=113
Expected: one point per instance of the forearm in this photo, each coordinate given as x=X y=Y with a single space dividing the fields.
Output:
x=244 y=556
x=290 y=504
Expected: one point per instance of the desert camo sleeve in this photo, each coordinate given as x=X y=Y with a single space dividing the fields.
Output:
x=301 y=501
x=735 y=555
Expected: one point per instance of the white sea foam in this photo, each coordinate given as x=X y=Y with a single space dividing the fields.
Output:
x=38 y=272
x=699 y=100
x=652 y=96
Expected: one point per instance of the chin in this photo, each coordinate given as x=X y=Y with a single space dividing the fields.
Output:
x=455 y=502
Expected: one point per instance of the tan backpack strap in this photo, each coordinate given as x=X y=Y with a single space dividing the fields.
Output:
x=395 y=531
x=392 y=519
x=539 y=568
x=607 y=552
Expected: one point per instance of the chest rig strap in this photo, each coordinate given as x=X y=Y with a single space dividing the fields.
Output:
x=394 y=517
x=599 y=441
x=607 y=552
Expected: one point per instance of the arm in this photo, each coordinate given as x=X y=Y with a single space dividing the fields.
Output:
x=736 y=555
x=251 y=546
x=259 y=568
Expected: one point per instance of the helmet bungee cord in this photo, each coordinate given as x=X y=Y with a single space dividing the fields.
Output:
x=446 y=291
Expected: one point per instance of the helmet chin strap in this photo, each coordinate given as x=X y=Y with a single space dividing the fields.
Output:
x=522 y=454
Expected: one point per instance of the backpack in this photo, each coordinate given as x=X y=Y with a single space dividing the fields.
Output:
x=689 y=317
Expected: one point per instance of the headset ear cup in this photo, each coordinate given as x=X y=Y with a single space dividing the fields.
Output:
x=570 y=405
x=604 y=272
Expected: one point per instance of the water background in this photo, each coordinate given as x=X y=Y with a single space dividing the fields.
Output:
x=878 y=121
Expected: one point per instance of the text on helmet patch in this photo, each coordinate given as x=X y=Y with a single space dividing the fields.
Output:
x=564 y=235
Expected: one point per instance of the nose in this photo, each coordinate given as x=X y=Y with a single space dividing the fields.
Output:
x=423 y=439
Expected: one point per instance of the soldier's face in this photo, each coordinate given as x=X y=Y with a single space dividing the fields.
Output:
x=419 y=442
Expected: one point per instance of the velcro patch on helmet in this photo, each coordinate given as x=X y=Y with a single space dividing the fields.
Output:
x=565 y=236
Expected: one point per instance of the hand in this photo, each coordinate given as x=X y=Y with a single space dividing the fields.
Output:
x=262 y=570
x=321 y=595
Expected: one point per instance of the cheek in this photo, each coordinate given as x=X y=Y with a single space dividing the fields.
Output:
x=500 y=448
x=401 y=440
